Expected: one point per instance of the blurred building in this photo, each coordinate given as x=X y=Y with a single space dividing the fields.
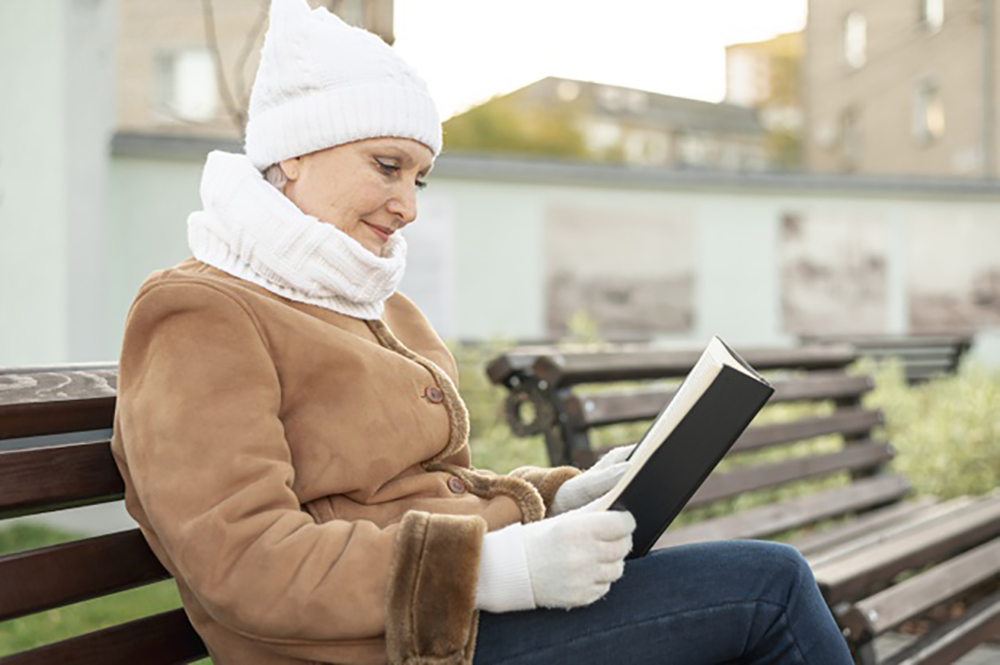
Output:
x=902 y=87
x=634 y=126
x=766 y=76
x=187 y=70
x=504 y=246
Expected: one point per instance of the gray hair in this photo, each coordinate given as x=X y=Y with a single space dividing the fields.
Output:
x=274 y=175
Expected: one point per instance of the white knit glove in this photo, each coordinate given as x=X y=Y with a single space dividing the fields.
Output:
x=593 y=483
x=567 y=561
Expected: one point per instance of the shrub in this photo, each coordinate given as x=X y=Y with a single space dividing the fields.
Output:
x=946 y=431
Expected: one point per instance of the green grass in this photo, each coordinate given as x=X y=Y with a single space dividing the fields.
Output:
x=64 y=622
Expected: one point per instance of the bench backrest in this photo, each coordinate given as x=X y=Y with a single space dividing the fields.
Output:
x=36 y=478
x=923 y=357
x=555 y=385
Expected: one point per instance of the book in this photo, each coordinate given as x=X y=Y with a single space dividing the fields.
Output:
x=690 y=436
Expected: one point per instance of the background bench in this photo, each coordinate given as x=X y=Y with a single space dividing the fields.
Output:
x=71 y=402
x=881 y=562
x=923 y=356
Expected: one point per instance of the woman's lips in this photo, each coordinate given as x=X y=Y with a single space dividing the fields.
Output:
x=382 y=232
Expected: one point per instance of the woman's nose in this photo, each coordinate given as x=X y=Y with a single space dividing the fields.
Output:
x=404 y=204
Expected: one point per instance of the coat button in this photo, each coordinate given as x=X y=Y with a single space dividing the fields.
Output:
x=433 y=394
x=456 y=485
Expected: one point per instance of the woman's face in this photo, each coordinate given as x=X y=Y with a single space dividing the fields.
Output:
x=367 y=189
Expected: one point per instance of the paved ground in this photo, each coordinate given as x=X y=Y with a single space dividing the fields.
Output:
x=890 y=643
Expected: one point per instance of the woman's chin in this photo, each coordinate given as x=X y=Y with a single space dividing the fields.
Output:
x=376 y=248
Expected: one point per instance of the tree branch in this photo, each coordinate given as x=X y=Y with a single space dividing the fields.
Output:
x=241 y=88
x=237 y=115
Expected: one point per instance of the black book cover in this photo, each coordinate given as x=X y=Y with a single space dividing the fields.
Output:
x=675 y=471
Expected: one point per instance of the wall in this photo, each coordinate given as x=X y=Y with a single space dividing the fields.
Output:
x=492 y=232
x=55 y=127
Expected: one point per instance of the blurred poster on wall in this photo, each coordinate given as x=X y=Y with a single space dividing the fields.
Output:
x=953 y=274
x=833 y=274
x=632 y=273
x=429 y=280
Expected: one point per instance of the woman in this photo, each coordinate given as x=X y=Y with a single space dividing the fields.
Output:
x=295 y=450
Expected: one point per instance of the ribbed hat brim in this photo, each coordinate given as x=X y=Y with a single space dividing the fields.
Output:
x=323 y=119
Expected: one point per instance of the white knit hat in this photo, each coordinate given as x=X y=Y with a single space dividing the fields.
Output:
x=322 y=83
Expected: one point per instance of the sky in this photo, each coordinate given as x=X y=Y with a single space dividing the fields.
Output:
x=471 y=50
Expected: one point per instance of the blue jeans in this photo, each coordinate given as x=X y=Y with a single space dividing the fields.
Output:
x=749 y=602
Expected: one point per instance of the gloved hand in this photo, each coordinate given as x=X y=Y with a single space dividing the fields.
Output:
x=566 y=561
x=592 y=483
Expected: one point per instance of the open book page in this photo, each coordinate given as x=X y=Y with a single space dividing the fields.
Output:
x=726 y=356
x=701 y=376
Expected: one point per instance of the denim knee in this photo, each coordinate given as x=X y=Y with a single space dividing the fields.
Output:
x=782 y=563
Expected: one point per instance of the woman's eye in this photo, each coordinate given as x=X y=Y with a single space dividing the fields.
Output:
x=388 y=168
x=394 y=169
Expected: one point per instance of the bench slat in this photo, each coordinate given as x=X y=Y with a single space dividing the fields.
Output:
x=867 y=342
x=951 y=641
x=518 y=362
x=24 y=420
x=41 y=479
x=793 y=513
x=728 y=484
x=887 y=609
x=162 y=639
x=610 y=408
x=857 y=529
x=567 y=369
x=850 y=577
x=76 y=571
x=933 y=515
x=56 y=400
x=850 y=422
x=913 y=354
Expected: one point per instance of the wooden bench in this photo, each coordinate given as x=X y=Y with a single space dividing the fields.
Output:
x=923 y=357
x=942 y=549
x=72 y=402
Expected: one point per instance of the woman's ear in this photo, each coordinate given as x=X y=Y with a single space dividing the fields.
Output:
x=291 y=167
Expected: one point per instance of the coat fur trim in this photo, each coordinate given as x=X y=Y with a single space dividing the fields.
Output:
x=546 y=481
x=458 y=415
x=488 y=486
x=431 y=616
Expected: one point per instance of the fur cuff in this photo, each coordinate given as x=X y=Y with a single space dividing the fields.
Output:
x=487 y=485
x=546 y=481
x=430 y=613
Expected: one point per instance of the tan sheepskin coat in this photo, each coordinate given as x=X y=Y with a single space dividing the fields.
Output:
x=306 y=475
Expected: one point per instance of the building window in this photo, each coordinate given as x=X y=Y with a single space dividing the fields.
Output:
x=602 y=135
x=567 y=91
x=612 y=99
x=694 y=150
x=928 y=113
x=187 y=88
x=850 y=138
x=931 y=14
x=855 y=40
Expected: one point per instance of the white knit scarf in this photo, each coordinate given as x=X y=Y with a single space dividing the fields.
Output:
x=250 y=230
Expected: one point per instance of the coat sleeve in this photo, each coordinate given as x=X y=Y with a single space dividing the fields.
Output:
x=546 y=481
x=199 y=417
